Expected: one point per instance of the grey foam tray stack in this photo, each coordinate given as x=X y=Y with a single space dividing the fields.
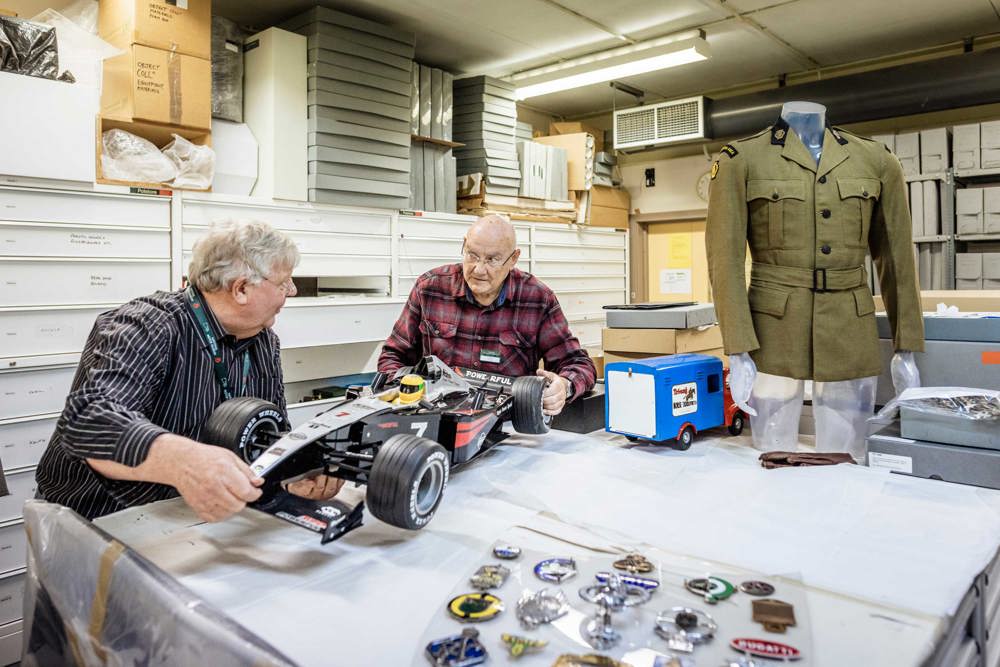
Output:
x=524 y=131
x=485 y=119
x=359 y=109
x=432 y=165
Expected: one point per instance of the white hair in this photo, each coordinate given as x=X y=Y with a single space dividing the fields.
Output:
x=236 y=249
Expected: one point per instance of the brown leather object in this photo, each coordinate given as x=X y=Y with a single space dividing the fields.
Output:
x=785 y=459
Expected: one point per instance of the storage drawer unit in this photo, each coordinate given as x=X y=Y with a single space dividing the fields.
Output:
x=13 y=547
x=336 y=265
x=80 y=281
x=85 y=208
x=319 y=322
x=302 y=219
x=46 y=240
x=35 y=391
x=23 y=441
x=36 y=331
x=11 y=597
x=576 y=304
x=21 y=484
x=315 y=243
x=10 y=642
x=566 y=267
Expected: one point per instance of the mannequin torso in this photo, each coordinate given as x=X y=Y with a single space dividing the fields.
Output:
x=808 y=120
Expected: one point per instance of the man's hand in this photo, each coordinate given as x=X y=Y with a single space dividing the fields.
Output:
x=554 y=397
x=213 y=481
x=319 y=487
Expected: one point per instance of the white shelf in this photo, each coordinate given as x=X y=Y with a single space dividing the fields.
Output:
x=937 y=238
x=973 y=173
x=978 y=237
x=936 y=176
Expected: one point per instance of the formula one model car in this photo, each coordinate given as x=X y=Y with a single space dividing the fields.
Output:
x=400 y=436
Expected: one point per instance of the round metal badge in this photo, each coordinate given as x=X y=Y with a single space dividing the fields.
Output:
x=758 y=588
x=634 y=564
x=506 y=551
x=475 y=607
x=556 y=570
x=711 y=589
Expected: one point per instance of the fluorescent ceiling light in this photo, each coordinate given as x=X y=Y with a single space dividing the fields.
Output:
x=614 y=64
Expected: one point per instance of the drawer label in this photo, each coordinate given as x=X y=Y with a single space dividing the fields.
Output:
x=89 y=240
x=893 y=462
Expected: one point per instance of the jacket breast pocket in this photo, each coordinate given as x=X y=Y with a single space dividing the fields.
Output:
x=858 y=198
x=518 y=355
x=776 y=211
x=438 y=338
x=768 y=300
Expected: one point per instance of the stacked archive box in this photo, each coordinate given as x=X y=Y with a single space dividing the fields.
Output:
x=432 y=165
x=359 y=109
x=485 y=117
x=105 y=249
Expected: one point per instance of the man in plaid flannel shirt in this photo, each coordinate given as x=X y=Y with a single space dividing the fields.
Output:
x=486 y=315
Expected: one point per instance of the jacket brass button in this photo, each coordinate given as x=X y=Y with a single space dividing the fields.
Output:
x=774 y=195
x=864 y=193
x=826 y=250
x=822 y=179
x=825 y=213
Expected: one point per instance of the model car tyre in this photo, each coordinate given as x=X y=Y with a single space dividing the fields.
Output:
x=239 y=424
x=685 y=439
x=527 y=415
x=407 y=481
x=739 y=421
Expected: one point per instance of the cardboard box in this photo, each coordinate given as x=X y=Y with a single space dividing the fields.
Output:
x=47 y=128
x=969 y=270
x=888 y=139
x=967 y=301
x=660 y=341
x=579 y=157
x=576 y=127
x=603 y=216
x=935 y=150
x=969 y=211
x=917 y=208
x=965 y=146
x=183 y=26
x=991 y=210
x=630 y=356
x=151 y=85
x=932 y=209
x=908 y=152
x=598 y=359
x=989 y=141
x=991 y=273
x=159 y=135
x=609 y=197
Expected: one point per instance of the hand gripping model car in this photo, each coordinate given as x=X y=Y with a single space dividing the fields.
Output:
x=400 y=436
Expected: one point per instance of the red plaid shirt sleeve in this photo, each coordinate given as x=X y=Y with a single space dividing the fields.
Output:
x=510 y=338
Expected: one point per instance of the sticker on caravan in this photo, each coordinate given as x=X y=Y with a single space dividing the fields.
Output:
x=685 y=398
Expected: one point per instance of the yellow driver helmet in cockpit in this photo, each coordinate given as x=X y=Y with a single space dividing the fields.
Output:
x=411 y=389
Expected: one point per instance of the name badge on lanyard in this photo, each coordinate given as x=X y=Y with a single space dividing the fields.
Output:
x=489 y=356
x=220 y=367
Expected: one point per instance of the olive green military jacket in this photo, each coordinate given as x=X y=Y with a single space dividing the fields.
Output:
x=808 y=313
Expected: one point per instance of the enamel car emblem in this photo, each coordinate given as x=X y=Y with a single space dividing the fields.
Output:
x=545 y=606
x=758 y=588
x=506 y=551
x=630 y=580
x=464 y=650
x=684 y=628
x=489 y=576
x=556 y=570
x=518 y=646
x=711 y=589
x=763 y=648
x=475 y=607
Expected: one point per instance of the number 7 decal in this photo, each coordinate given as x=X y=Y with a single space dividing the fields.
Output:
x=419 y=427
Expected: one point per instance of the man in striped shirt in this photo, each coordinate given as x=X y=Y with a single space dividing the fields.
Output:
x=153 y=371
x=487 y=315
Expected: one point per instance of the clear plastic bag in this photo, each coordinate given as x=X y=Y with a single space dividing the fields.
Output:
x=126 y=157
x=28 y=48
x=195 y=164
x=80 y=52
x=964 y=402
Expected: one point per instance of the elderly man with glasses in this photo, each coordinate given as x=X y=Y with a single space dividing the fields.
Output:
x=153 y=371
x=487 y=315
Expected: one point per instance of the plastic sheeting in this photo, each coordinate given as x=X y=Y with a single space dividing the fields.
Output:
x=89 y=600
x=28 y=48
x=126 y=157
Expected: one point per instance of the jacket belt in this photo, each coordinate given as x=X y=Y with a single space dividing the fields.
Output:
x=818 y=280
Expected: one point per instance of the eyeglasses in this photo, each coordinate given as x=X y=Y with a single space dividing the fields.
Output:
x=492 y=262
x=287 y=287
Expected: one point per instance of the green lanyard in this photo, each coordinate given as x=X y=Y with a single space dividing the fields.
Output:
x=197 y=307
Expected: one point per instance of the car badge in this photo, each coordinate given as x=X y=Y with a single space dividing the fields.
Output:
x=672 y=661
x=634 y=564
x=762 y=648
x=631 y=580
x=758 y=588
x=506 y=551
x=774 y=615
x=589 y=660
x=711 y=589
x=464 y=650
x=475 y=607
x=610 y=597
x=556 y=570
x=545 y=606
x=489 y=576
x=684 y=628
x=518 y=646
